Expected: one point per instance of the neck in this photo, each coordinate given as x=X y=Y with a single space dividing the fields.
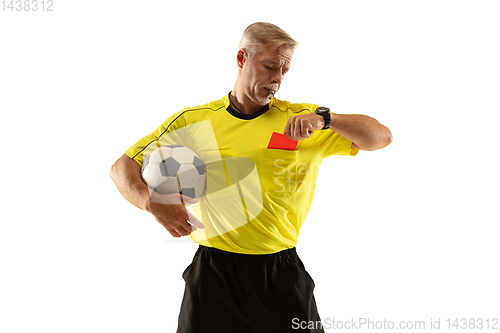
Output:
x=242 y=103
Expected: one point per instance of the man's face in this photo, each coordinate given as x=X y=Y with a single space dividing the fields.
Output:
x=264 y=72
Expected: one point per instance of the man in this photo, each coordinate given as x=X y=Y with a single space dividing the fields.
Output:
x=246 y=275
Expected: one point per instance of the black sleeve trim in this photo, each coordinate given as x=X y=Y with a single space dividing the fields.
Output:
x=274 y=106
x=166 y=129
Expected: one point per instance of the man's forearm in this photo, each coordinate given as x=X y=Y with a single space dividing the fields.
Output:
x=364 y=131
x=126 y=176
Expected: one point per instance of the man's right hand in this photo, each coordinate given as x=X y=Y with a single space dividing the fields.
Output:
x=170 y=212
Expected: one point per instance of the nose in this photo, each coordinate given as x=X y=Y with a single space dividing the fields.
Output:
x=277 y=78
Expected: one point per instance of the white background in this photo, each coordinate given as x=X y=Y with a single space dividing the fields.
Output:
x=410 y=232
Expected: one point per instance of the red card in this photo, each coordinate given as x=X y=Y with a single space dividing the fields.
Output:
x=280 y=141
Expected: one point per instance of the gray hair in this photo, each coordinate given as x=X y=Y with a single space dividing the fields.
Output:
x=262 y=33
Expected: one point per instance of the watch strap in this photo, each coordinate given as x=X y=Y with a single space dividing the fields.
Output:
x=325 y=112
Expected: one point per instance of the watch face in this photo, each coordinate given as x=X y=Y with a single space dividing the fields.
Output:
x=322 y=109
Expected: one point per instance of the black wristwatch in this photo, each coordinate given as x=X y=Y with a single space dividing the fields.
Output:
x=325 y=112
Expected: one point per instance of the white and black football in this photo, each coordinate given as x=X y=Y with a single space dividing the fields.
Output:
x=175 y=169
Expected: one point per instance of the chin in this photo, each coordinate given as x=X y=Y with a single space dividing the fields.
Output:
x=261 y=100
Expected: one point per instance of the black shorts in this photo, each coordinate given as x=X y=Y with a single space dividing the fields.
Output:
x=240 y=293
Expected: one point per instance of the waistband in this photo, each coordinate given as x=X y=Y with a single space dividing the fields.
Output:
x=281 y=255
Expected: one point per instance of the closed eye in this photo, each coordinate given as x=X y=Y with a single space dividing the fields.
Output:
x=283 y=72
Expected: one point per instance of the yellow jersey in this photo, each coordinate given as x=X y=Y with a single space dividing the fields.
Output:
x=256 y=198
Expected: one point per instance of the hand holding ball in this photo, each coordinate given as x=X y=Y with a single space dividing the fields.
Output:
x=175 y=175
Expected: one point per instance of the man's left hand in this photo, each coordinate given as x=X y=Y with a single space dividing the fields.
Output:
x=302 y=126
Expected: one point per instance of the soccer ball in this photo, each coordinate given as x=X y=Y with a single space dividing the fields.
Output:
x=175 y=169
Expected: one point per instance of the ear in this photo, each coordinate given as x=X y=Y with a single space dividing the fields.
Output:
x=241 y=57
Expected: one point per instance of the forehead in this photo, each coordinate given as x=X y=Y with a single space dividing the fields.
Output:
x=281 y=55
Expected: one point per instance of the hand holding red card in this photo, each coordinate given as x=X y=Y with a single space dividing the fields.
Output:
x=280 y=141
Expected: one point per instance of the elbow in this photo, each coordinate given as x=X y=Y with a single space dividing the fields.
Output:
x=384 y=140
x=388 y=138
x=380 y=142
x=113 y=172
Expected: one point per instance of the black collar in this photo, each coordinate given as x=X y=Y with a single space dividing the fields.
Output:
x=237 y=114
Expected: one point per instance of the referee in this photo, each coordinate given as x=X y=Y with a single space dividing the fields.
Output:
x=246 y=275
